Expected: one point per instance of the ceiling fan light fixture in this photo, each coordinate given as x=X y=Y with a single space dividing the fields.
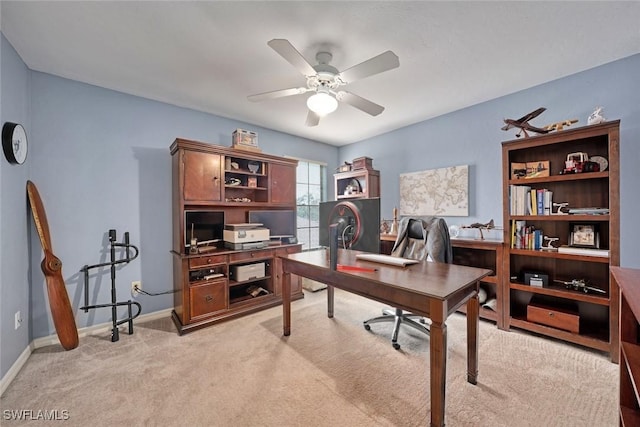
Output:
x=322 y=103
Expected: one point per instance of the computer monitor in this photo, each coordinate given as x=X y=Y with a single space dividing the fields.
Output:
x=281 y=223
x=204 y=225
x=358 y=223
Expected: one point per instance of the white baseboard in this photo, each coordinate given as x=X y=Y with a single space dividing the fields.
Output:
x=53 y=339
x=15 y=368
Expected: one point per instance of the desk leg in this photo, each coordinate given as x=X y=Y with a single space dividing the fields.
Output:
x=473 y=315
x=286 y=303
x=330 y=292
x=438 y=357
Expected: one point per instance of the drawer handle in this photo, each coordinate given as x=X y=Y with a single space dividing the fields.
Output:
x=208 y=298
x=550 y=314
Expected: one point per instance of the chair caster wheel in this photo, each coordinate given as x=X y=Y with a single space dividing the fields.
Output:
x=367 y=327
x=395 y=345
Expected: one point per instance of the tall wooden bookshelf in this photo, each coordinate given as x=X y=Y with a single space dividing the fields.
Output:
x=589 y=318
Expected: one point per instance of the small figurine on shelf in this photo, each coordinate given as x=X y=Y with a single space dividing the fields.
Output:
x=596 y=117
x=561 y=206
x=549 y=246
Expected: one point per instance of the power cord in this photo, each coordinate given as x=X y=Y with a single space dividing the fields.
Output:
x=153 y=294
x=344 y=231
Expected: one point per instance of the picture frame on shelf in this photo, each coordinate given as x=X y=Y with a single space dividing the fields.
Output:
x=537 y=169
x=518 y=170
x=584 y=235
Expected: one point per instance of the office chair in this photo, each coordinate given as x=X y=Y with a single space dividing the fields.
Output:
x=424 y=239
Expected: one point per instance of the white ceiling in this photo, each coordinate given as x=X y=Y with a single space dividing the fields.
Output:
x=209 y=56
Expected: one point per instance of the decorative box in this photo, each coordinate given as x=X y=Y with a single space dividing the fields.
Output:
x=362 y=163
x=346 y=167
x=245 y=140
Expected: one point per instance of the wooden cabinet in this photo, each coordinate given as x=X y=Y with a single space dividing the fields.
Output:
x=283 y=188
x=485 y=254
x=596 y=310
x=357 y=184
x=201 y=176
x=216 y=283
x=628 y=281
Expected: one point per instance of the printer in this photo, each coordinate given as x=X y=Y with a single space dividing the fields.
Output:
x=245 y=236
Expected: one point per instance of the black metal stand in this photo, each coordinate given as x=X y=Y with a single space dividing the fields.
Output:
x=114 y=304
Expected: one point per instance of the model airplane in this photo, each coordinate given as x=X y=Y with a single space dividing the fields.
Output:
x=523 y=123
x=580 y=285
x=488 y=226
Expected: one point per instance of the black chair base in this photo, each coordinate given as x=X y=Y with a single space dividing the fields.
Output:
x=399 y=317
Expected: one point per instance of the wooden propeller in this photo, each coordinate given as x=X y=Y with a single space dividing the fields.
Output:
x=52 y=268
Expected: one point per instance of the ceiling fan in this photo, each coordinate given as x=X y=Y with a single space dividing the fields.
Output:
x=325 y=80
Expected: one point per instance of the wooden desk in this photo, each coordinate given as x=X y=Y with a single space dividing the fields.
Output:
x=433 y=290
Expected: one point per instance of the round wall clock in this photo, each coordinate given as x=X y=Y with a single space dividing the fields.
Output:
x=14 y=143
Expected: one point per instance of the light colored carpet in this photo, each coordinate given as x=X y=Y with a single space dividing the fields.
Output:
x=329 y=372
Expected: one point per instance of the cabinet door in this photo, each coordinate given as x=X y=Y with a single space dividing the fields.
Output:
x=283 y=184
x=201 y=176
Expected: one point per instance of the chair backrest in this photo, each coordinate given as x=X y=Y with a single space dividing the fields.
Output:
x=423 y=239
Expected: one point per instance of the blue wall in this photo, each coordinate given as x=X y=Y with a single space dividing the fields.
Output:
x=472 y=136
x=101 y=160
x=15 y=264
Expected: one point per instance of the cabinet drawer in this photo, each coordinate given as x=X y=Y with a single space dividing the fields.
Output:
x=205 y=261
x=556 y=317
x=250 y=255
x=207 y=299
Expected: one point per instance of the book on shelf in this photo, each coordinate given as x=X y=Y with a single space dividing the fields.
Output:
x=583 y=251
x=525 y=200
x=525 y=236
x=589 y=211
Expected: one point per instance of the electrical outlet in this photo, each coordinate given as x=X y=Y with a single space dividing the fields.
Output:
x=18 y=319
x=136 y=287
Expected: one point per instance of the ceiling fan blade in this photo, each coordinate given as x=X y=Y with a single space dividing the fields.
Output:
x=288 y=52
x=360 y=103
x=378 y=64
x=312 y=119
x=277 y=94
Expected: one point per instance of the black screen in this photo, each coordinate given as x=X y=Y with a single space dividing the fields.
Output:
x=281 y=223
x=206 y=226
x=358 y=223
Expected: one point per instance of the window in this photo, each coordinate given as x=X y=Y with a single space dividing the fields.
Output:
x=310 y=191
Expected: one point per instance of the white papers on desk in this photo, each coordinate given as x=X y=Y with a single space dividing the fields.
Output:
x=387 y=259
